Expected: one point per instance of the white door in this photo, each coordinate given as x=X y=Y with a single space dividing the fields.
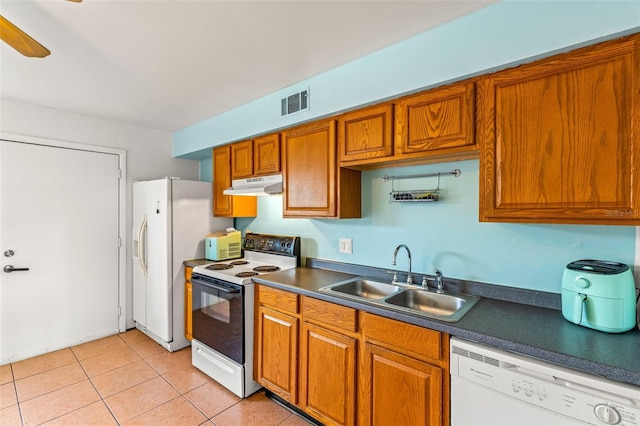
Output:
x=59 y=218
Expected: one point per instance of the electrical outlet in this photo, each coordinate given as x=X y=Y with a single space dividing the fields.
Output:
x=346 y=245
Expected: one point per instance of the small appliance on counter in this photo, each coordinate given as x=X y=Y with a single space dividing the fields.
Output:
x=599 y=294
x=223 y=245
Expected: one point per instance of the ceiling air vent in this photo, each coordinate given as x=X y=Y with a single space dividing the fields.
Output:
x=294 y=103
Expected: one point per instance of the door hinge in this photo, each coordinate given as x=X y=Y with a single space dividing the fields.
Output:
x=119 y=173
x=119 y=242
x=119 y=311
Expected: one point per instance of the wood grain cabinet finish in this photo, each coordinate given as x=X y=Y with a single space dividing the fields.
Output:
x=405 y=374
x=227 y=205
x=276 y=342
x=328 y=378
x=188 y=303
x=242 y=159
x=439 y=121
x=560 y=138
x=314 y=185
x=366 y=135
x=266 y=155
x=329 y=343
x=354 y=367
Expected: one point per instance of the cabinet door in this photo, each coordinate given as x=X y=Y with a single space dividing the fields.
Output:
x=398 y=390
x=226 y=205
x=276 y=353
x=309 y=171
x=440 y=119
x=560 y=138
x=366 y=134
x=242 y=160
x=266 y=155
x=328 y=375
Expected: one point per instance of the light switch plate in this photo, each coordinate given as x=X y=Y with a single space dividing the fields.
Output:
x=346 y=245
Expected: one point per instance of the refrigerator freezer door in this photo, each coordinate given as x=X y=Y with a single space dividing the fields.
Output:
x=152 y=296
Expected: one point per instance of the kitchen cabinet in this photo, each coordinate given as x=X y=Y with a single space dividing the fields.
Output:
x=405 y=372
x=366 y=135
x=227 y=205
x=354 y=367
x=266 y=155
x=560 y=138
x=328 y=343
x=242 y=159
x=188 y=303
x=437 y=123
x=314 y=185
x=276 y=342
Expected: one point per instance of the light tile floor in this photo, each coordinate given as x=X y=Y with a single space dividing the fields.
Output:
x=125 y=379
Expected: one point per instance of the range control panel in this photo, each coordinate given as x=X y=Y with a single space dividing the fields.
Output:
x=277 y=244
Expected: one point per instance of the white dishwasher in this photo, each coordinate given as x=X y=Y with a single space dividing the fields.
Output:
x=494 y=387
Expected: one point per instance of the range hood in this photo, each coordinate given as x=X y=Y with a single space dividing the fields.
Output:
x=262 y=185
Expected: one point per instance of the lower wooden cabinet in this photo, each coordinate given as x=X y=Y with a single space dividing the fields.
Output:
x=328 y=375
x=188 y=303
x=346 y=367
x=399 y=390
x=276 y=342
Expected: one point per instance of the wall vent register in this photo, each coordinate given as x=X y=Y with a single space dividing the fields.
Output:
x=294 y=103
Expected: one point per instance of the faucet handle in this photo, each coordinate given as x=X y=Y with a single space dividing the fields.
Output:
x=425 y=283
x=395 y=276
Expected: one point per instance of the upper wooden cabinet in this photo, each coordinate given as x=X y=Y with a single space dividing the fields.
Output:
x=266 y=155
x=257 y=157
x=439 y=120
x=365 y=135
x=227 y=205
x=314 y=185
x=560 y=138
x=242 y=160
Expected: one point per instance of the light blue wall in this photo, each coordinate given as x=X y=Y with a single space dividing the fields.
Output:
x=505 y=33
x=446 y=234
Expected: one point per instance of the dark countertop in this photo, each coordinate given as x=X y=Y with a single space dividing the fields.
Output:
x=196 y=262
x=540 y=332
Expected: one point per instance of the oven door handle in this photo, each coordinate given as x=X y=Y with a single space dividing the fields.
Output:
x=214 y=286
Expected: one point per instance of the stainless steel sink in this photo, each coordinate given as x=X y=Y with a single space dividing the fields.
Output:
x=448 y=307
x=366 y=289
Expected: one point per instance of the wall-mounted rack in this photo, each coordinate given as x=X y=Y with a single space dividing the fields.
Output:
x=416 y=195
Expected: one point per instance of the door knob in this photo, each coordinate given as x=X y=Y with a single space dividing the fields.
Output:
x=10 y=268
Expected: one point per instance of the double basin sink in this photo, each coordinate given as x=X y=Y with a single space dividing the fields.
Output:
x=412 y=299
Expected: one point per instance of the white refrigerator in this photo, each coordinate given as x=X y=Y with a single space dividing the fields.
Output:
x=171 y=218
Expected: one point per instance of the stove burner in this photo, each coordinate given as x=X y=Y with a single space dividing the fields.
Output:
x=246 y=274
x=266 y=268
x=238 y=262
x=219 y=266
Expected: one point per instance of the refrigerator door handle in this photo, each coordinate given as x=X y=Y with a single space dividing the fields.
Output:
x=142 y=242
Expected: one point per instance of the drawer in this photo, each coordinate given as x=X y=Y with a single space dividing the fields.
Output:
x=279 y=300
x=406 y=338
x=318 y=311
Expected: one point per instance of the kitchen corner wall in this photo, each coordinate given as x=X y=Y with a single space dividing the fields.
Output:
x=447 y=234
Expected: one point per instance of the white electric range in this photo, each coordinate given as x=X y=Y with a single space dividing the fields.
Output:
x=222 y=309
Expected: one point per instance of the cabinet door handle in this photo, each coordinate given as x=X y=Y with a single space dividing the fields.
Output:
x=10 y=268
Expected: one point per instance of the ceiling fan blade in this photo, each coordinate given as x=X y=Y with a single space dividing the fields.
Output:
x=20 y=40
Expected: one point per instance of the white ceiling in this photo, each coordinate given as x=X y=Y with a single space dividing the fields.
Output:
x=169 y=64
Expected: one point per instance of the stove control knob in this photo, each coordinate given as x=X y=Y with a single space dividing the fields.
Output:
x=607 y=414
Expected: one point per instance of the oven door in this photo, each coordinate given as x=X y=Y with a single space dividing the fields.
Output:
x=218 y=316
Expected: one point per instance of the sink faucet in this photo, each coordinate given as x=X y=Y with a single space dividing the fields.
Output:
x=438 y=280
x=393 y=261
